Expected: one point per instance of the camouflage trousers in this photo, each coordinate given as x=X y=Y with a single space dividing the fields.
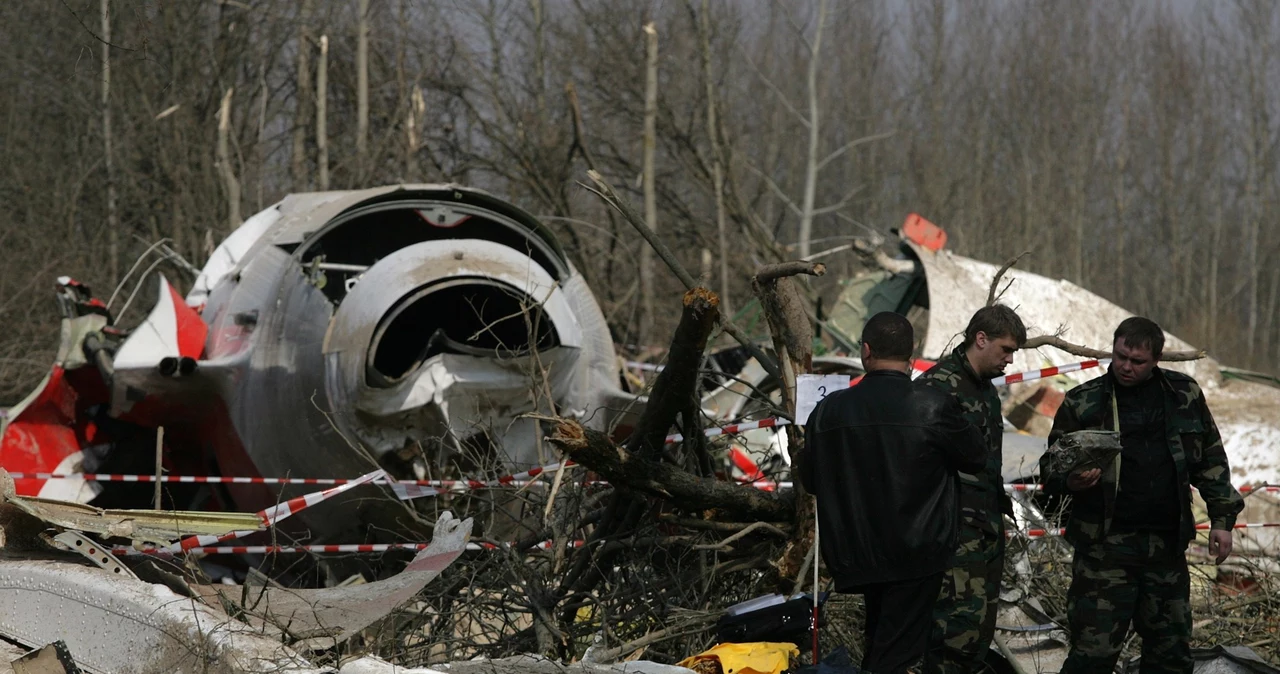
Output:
x=964 y=615
x=1138 y=577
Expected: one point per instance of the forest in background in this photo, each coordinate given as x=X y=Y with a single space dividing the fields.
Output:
x=1130 y=146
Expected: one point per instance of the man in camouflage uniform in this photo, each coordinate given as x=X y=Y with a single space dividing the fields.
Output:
x=965 y=613
x=1131 y=520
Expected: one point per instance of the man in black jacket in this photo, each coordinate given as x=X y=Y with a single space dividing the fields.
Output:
x=882 y=458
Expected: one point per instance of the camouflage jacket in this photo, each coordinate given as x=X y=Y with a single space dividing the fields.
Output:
x=982 y=497
x=1192 y=439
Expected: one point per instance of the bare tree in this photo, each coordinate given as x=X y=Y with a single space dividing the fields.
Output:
x=229 y=180
x=303 y=106
x=650 y=185
x=322 y=112
x=108 y=158
x=717 y=157
x=362 y=88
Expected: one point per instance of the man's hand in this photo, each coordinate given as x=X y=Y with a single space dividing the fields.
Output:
x=1085 y=479
x=1220 y=545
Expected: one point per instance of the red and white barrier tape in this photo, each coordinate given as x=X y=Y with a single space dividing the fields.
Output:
x=1037 y=533
x=282 y=510
x=448 y=485
x=1033 y=375
x=340 y=548
x=409 y=489
x=545 y=545
x=278 y=512
x=1246 y=489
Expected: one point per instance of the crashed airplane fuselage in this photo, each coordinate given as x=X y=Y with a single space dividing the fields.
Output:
x=328 y=332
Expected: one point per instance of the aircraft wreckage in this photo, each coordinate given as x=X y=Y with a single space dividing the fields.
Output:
x=329 y=332
x=400 y=328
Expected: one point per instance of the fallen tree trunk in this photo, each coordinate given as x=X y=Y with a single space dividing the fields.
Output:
x=597 y=452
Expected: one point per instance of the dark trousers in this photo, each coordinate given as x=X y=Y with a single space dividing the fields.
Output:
x=1130 y=578
x=899 y=618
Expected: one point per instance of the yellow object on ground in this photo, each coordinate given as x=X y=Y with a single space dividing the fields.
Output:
x=761 y=657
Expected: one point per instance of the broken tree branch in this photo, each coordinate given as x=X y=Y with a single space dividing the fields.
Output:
x=773 y=272
x=693 y=627
x=713 y=525
x=724 y=545
x=610 y=196
x=677 y=384
x=992 y=295
x=1086 y=352
x=597 y=452
x=789 y=324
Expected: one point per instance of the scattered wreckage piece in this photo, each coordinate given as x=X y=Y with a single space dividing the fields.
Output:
x=1222 y=660
x=52 y=659
x=158 y=528
x=1083 y=450
x=520 y=664
x=112 y=624
x=332 y=615
x=117 y=623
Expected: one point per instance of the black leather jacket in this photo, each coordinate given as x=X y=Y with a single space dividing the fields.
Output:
x=882 y=458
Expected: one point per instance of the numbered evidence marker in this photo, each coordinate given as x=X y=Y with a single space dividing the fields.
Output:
x=812 y=388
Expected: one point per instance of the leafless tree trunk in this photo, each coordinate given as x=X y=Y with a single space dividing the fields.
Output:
x=302 y=104
x=811 y=166
x=417 y=112
x=650 y=188
x=229 y=181
x=1258 y=19
x=260 y=143
x=1215 y=243
x=362 y=90
x=322 y=125
x=108 y=159
x=539 y=55
x=1122 y=204
x=717 y=157
x=409 y=95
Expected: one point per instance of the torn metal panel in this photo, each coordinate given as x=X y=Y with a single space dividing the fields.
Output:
x=42 y=432
x=154 y=527
x=52 y=659
x=334 y=614
x=112 y=624
x=229 y=253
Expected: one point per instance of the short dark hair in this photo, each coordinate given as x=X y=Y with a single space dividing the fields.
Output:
x=889 y=336
x=996 y=321
x=1138 y=332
